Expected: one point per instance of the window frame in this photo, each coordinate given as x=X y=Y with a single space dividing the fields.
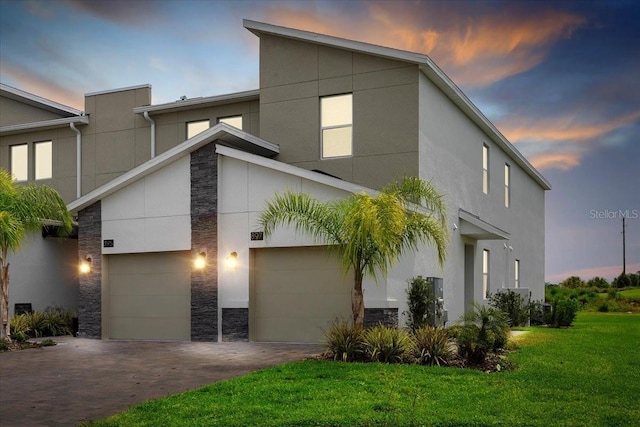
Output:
x=485 y=168
x=486 y=273
x=516 y=273
x=187 y=124
x=237 y=116
x=345 y=125
x=12 y=160
x=36 y=160
x=507 y=185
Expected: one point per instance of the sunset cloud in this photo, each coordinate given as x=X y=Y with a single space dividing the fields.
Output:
x=474 y=51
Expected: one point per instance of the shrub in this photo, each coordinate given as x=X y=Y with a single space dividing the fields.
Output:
x=538 y=310
x=19 y=327
x=4 y=346
x=598 y=282
x=387 y=344
x=420 y=298
x=514 y=305
x=603 y=307
x=572 y=282
x=432 y=346
x=563 y=312
x=344 y=341
x=51 y=322
x=485 y=330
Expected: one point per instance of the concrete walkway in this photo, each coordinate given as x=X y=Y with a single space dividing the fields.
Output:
x=82 y=379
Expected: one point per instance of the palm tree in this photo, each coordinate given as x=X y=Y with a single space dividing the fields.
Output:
x=23 y=209
x=367 y=233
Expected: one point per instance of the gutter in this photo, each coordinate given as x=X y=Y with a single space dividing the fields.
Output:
x=153 y=133
x=78 y=160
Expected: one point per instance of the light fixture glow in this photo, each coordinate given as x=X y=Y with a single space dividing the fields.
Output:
x=200 y=261
x=85 y=265
x=232 y=261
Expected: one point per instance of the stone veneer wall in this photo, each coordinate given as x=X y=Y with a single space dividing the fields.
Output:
x=204 y=237
x=90 y=284
x=235 y=324
x=386 y=316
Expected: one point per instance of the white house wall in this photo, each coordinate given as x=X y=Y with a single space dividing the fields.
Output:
x=243 y=190
x=451 y=157
x=152 y=214
x=44 y=273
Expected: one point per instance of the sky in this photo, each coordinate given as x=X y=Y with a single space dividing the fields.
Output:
x=560 y=79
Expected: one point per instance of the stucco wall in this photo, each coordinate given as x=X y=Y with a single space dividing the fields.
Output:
x=293 y=77
x=451 y=157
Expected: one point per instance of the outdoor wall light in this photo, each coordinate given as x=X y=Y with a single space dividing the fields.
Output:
x=85 y=265
x=200 y=261
x=232 y=261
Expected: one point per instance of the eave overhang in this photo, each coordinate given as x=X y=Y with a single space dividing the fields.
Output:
x=37 y=101
x=474 y=227
x=43 y=125
x=202 y=102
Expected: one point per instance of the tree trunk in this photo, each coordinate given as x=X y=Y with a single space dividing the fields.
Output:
x=357 y=301
x=4 y=301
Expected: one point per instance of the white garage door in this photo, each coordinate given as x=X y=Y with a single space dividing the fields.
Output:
x=150 y=296
x=295 y=293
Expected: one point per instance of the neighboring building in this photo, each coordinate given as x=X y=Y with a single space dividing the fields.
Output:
x=158 y=186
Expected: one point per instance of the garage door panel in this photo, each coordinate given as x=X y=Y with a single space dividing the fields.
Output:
x=139 y=328
x=296 y=293
x=150 y=295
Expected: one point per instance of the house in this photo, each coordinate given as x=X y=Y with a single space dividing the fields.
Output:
x=167 y=196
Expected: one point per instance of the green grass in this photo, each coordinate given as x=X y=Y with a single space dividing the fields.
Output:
x=631 y=294
x=588 y=375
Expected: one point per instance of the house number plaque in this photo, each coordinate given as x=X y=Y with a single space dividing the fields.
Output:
x=107 y=243
x=257 y=235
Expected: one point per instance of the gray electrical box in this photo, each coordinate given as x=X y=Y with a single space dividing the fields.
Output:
x=438 y=315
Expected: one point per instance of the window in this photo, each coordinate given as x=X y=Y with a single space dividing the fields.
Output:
x=235 y=121
x=485 y=168
x=516 y=272
x=194 y=128
x=485 y=273
x=336 y=121
x=507 y=191
x=20 y=162
x=43 y=160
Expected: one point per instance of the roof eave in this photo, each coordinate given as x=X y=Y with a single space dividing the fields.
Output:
x=187 y=104
x=37 y=101
x=43 y=125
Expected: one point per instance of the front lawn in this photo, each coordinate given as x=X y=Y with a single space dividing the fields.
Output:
x=587 y=375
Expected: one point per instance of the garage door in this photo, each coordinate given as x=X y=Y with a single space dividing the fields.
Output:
x=295 y=293
x=150 y=296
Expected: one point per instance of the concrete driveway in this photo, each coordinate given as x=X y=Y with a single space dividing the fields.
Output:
x=82 y=379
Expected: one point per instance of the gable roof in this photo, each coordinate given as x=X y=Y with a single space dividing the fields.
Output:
x=426 y=66
x=222 y=132
x=37 y=101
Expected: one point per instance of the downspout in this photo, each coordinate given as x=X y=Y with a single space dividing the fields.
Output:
x=78 y=160
x=153 y=133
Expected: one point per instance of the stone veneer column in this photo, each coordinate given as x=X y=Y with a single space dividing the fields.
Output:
x=386 y=316
x=204 y=237
x=90 y=284
x=235 y=324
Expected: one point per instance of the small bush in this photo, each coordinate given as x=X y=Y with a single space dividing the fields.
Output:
x=432 y=346
x=51 y=322
x=344 y=341
x=419 y=299
x=485 y=330
x=20 y=326
x=514 y=305
x=603 y=307
x=538 y=310
x=387 y=345
x=4 y=346
x=563 y=312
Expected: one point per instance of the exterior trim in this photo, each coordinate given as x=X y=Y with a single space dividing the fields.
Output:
x=37 y=101
x=474 y=227
x=200 y=102
x=43 y=125
x=102 y=92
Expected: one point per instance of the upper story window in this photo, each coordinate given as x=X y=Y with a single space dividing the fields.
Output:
x=235 y=121
x=194 y=128
x=485 y=168
x=43 y=153
x=507 y=183
x=20 y=162
x=516 y=273
x=485 y=273
x=336 y=122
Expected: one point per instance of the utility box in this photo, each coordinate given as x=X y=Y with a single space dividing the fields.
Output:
x=438 y=315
